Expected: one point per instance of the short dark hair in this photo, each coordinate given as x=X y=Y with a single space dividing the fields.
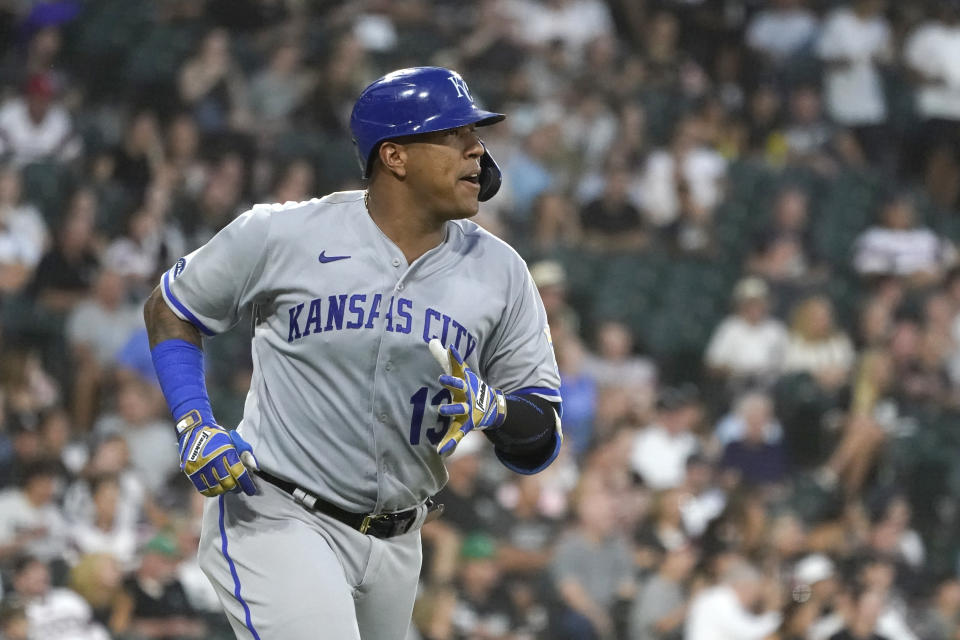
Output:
x=37 y=468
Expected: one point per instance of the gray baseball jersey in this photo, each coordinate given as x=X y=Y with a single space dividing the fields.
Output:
x=344 y=391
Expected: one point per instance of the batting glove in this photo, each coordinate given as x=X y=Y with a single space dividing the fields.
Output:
x=215 y=460
x=473 y=405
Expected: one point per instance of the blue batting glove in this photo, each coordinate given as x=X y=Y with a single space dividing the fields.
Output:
x=215 y=460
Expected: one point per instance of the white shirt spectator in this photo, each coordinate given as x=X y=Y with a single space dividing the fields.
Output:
x=747 y=349
x=50 y=139
x=78 y=502
x=803 y=355
x=105 y=331
x=697 y=511
x=854 y=89
x=18 y=516
x=575 y=22
x=661 y=457
x=63 y=615
x=932 y=50
x=901 y=252
x=703 y=169
x=782 y=32
x=717 y=614
x=23 y=236
x=120 y=542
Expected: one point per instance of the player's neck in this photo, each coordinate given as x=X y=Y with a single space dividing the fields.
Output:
x=410 y=228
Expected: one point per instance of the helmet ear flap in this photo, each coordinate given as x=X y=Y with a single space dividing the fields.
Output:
x=490 y=176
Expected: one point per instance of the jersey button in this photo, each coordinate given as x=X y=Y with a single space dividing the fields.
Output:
x=400 y=287
x=382 y=417
x=388 y=366
x=396 y=262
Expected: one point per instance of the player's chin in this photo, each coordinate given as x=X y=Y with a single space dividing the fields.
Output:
x=468 y=203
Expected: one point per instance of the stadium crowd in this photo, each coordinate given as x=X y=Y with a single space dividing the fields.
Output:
x=741 y=216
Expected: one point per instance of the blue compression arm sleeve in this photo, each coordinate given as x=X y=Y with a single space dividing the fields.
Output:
x=179 y=366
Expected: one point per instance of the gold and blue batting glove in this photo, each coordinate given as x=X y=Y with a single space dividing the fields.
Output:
x=215 y=460
x=473 y=403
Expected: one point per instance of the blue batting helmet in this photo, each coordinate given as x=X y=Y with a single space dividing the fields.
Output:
x=419 y=100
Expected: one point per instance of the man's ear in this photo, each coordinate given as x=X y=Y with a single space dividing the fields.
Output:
x=393 y=156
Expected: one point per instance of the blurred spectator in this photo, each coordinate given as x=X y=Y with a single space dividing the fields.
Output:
x=753 y=459
x=856 y=40
x=591 y=570
x=278 y=90
x=528 y=534
x=469 y=503
x=660 y=450
x=154 y=603
x=663 y=529
x=66 y=271
x=941 y=619
x=892 y=533
x=23 y=233
x=212 y=85
x=783 y=30
x=527 y=173
x=872 y=416
x=808 y=135
x=751 y=411
x=148 y=436
x=187 y=171
x=295 y=183
x=149 y=245
x=725 y=611
x=97 y=578
x=580 y=394
x=35 y=127
x=482 y=605
x=877 y=573
x=749 y=344
x=550 y=277
x=109 y=458
x=703 y=499
x=52 y=612
x=572 y=22
x=662 y=57
x=100 y=325
x=554 y=224
x=688 y=162
x=109 y=532
x=139 y=156
x=616 y=365
x=765 y=137
x=219 y=203
x=96 y=329
x=783 y=252
x=692 y=232
x=929 y=52
x=901 y=247
x=660 y=606
x=815 y=345
x=30 y=519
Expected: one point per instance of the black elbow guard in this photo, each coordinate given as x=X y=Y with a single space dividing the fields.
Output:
x=530 y=437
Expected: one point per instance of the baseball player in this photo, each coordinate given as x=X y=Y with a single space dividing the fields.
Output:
x=386 y=327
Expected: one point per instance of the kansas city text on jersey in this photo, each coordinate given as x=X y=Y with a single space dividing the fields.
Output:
x=362 y=311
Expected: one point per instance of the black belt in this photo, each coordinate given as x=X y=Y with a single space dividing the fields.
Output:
x=381 y=525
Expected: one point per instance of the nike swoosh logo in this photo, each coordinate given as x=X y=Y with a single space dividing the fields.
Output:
x=325 y=258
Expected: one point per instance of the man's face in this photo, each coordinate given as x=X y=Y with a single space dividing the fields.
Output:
x=443 y=169
x=33 y=580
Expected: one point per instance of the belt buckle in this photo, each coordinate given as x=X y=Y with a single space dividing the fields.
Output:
x=369 y=519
